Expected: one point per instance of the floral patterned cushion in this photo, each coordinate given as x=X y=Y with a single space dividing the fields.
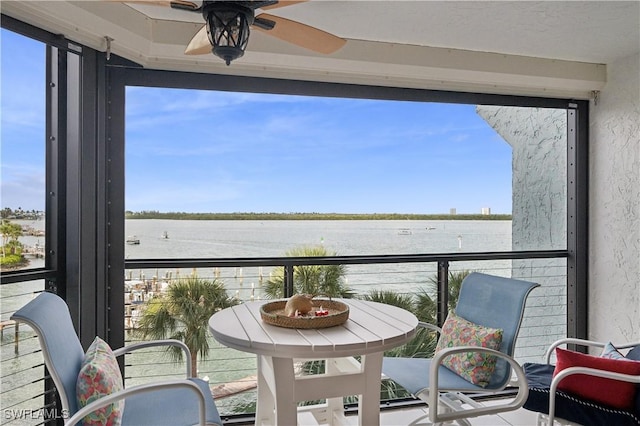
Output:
x=100 y=376
x=474 y=367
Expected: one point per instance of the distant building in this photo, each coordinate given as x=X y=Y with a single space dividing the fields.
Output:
x=485 y=211
x=452 y=211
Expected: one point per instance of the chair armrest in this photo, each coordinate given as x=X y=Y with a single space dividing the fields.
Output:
x=567 y=341
x=586 y=371
x=582 y=342
x=153 y=343
x=149 y=387
x=430 y=326
x=517 y=402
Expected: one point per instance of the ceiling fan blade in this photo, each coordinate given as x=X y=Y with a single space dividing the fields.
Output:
x=176 y=4
x=184 y=5
x=282 y=3
x=302 y=35
x=199 y=44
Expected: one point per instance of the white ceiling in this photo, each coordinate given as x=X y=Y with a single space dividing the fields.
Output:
x=554 y=48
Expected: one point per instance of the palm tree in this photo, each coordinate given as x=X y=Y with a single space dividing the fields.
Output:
x=11 y=232
x=182 y=313
x=327 y=280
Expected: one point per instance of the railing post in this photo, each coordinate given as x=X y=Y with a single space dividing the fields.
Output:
x=288 y=280
x=442 y=292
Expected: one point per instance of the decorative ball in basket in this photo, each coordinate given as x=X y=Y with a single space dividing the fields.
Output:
x=303 y=311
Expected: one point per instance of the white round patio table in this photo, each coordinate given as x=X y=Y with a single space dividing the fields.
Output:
x=371 y=329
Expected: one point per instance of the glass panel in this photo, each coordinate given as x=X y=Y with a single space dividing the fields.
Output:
x=22 y=152
x=425 y=169
x=421 y=167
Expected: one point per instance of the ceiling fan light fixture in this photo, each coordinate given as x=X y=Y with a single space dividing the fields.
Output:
x=228 y=29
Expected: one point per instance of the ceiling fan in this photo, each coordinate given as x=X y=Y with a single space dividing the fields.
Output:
x=226 y=29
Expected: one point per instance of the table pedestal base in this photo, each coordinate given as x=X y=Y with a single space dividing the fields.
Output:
x=278 y=399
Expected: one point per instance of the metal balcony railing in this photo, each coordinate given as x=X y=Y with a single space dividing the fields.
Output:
x=231 y=373
x=22 y=372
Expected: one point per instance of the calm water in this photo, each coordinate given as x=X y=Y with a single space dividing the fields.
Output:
x=227 y=239
x=194 y=238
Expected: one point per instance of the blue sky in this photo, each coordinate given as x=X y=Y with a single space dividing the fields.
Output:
x=199 y=151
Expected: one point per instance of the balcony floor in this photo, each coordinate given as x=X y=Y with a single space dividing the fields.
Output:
x=405 y=416
x=520 y=417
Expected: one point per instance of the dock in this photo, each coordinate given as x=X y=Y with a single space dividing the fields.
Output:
x=11 y=323
x=232 y=388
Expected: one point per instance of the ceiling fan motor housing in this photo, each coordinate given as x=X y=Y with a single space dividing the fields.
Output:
x=228 y=28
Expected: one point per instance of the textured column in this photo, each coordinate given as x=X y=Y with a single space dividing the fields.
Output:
x=538 y=138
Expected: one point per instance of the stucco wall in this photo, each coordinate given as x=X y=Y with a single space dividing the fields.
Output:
x=614 y=198
x=614 y=212
x=538 y=138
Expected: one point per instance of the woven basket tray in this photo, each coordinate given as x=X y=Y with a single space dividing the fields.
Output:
x=273 y=313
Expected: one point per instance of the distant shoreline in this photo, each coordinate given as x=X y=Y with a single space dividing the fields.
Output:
x=311 y=216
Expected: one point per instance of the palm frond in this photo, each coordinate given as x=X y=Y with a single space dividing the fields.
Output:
x=389 y=297
x=327 y=280
x=183 y=312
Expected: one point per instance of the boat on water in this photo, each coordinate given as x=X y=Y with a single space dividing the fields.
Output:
x=133 y=240
x=404 y=231
x=165 y=235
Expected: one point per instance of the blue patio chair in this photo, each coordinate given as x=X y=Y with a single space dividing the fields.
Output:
x=486 y=301
x=173 y=402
